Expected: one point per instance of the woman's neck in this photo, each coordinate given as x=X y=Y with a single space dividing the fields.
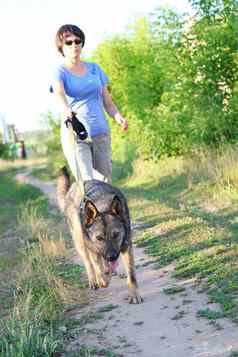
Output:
x=73 y=62
x=76 y=67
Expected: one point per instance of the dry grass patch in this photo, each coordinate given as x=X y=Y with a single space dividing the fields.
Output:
x=216 y=166
x=19 y=164
x=53 y=248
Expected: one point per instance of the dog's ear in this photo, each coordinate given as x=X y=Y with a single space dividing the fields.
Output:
x=90 y=213
x=116 y=208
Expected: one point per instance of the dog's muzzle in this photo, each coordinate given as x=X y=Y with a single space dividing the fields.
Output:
x=112 y=266
x=111 y=257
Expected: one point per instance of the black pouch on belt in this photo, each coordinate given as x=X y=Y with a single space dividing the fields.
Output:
x=77 y=126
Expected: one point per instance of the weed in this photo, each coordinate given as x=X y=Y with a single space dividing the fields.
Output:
x=90 y=317
x=26 y=334
x=88 y=351
x=107 y=308
x=210 y=314
x=174 y=290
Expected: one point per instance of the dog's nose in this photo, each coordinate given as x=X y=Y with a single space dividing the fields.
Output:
x=111 y=257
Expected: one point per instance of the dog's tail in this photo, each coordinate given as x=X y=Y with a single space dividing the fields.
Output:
x=63 y=185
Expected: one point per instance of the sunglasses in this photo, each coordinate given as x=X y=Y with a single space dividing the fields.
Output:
x=77 y=41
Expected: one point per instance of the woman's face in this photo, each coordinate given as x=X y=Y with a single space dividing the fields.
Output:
x=72 y=47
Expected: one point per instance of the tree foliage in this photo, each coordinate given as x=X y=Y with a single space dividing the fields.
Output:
x=176 y=78
x=52 y=124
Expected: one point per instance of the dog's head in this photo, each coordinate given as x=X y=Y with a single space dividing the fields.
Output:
x=105 y=234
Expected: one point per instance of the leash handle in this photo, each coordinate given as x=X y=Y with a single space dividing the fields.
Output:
x=77 y=126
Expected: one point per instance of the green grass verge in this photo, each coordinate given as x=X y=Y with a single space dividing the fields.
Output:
x=13 y=197
x=189 y=219
x=38 y=283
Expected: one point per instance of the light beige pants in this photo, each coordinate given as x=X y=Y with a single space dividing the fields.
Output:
x=91 y=157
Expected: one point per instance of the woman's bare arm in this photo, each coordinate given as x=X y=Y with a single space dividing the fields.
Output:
x=112 y=110
x=61 y=99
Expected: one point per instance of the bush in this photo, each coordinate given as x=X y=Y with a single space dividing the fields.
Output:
x=5 y=151
x=177 y=84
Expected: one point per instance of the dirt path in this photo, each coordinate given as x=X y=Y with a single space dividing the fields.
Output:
x=164 y=325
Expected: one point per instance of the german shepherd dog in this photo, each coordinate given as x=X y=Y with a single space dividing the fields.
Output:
x=99 y=222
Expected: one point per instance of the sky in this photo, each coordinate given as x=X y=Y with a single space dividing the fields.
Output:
x=28 y=55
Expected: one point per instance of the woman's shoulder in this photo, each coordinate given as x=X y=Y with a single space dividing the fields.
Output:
x=92 y=65
x=59 y=72
x=60 y=68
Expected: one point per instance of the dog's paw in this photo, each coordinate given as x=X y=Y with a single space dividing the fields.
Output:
x=135 y=298
x=103 y=280
x=93 y=285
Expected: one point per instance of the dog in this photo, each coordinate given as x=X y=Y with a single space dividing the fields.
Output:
x=99 y=221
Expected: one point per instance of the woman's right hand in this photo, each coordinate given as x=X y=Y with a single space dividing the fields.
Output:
x=68 y=113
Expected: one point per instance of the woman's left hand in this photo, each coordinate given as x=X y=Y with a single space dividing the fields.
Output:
x=124 y=124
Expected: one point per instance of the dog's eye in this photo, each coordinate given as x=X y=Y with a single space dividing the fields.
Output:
x=100 y=238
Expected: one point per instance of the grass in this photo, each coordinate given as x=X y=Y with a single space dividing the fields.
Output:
x=12 y=199
x=107 y=308
x=38 y=282
x=188 y=210
x=16 y=165
x=26 y=334
x=43 y=173
x=174 y=290
x=86 y=351
x=210 y=314
x=5 y=263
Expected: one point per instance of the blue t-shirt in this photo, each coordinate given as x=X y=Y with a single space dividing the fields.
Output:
x=84 y=96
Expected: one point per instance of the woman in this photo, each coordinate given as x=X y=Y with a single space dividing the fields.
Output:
x=81 y=87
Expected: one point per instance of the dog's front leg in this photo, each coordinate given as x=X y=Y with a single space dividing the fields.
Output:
x=83 y=253
x=78 y=237
x=128 y=261
x=97 y=263
x=92 y=279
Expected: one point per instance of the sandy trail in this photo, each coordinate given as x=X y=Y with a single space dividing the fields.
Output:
x=164 y=325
